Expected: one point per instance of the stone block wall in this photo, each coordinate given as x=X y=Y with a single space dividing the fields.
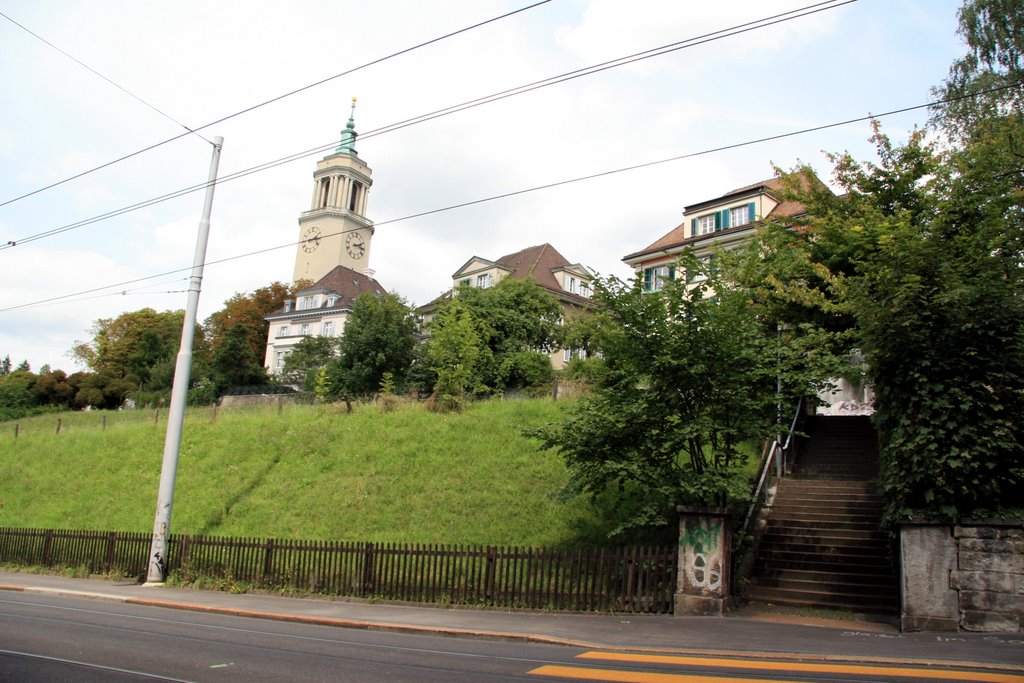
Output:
x=965 y=577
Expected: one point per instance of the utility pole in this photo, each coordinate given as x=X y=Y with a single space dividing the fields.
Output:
x=157 y=571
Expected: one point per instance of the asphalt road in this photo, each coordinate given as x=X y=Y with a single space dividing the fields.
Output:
x=57 y=638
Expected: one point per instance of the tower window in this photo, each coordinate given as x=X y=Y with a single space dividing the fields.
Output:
x=325 y=191
x=354 y=195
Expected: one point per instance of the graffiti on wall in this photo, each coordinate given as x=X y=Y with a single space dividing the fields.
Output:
x=702 y=537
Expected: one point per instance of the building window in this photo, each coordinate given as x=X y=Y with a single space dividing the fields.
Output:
x=307 y=302
x=328 y=329
x=706 y=224
x=331 y=300
x=464 y=282
x=655 y=278
x=279 y=360
x=739 y=216
x=304 y=330
x=585 y=289
x=700 y=274
x=572 y=285
x=569 y=354
x=282 y=331
x=483 y=281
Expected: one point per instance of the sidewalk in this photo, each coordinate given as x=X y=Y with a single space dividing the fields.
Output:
x=743 y=633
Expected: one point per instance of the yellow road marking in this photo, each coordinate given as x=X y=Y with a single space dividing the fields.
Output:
x=619 y=676
x=980 y=676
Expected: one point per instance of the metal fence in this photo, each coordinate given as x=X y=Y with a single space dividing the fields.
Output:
x=625 y=579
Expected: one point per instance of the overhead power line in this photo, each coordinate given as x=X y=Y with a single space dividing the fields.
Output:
x=94 y=71
x=274 y=99
x=537 y=188
x=494 y=97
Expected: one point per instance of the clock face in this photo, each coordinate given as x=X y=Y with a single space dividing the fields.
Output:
x=355 y=245
x=311 y=240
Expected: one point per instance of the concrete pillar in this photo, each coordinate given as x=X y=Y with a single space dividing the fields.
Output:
x=928 y=553
x=705 y=557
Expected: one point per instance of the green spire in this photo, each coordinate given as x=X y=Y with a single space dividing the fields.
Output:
x=348 y=136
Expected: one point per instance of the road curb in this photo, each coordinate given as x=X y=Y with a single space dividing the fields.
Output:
x=454 y=632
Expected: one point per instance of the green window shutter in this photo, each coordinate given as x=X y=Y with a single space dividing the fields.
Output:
x=671 y=272
x=693 y=227
x=647 y=279
x=725 y=219
x=718 y=220
x=752 y=207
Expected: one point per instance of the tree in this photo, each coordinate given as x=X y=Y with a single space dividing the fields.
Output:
x=689 y=382
x=513 y=317
x=308 y=358
x=133 y=344
x=985 y=87
x=234 y=363
x=924 y=251
x=452 y=352
x=248 y=309
x=379 y=337
x=16 y=396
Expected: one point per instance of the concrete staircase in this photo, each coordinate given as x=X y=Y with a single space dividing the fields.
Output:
x=822 y=547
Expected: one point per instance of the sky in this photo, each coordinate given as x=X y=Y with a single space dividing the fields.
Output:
x=190 y=63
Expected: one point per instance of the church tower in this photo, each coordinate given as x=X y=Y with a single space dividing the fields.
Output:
x=335 y=230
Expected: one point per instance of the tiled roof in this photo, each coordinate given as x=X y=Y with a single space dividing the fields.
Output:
x=536 y=262
x=344 y=282
x=680 y=234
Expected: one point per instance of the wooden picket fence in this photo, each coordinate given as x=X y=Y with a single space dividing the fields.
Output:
x=622 y=579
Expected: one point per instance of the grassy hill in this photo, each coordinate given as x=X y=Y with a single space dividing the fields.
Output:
x=307 y=472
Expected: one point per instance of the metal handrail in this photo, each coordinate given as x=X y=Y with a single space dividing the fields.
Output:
x=776 y=447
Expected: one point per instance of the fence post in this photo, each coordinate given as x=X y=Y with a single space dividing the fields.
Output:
x=268 y=559
x=368 y=573
x=213 y=413
x=47 y=546
x=58 y=425
x=104 y=426
x=111 y=546
x=156 y=416
x=15 y=430
x=489 y=573
x=280 y=404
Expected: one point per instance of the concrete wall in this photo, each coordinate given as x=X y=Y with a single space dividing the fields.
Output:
x=968 y=577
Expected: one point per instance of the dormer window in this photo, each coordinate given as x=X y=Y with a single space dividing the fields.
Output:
x=706 y=224
x=585 y=289
x=307 y=302
x=483 y=281
x=331 y=300
x=572 y=285
x=741 y=215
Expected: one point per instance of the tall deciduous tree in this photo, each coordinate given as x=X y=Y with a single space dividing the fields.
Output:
x=512 y=318
x=453 y=351
x=234 y=363
x=308 y=358
x=132 y=344
x=689 y=383
x=985 y=87
x=925 y=252
x=248 y=310
x=379 y=337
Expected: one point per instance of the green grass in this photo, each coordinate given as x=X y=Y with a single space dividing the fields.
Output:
x=306 y=472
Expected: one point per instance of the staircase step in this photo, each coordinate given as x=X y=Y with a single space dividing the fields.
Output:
x=774 y=539
x=873 y=535
x=771 y=560
x=873 y=604
x=837 y=586
x=805 y=575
